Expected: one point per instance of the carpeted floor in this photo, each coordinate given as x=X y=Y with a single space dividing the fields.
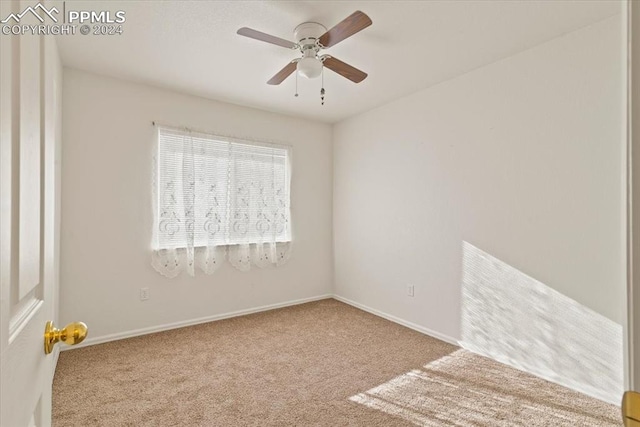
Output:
x=318 y=364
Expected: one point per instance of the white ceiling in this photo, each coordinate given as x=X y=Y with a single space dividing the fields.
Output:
x=192 y=46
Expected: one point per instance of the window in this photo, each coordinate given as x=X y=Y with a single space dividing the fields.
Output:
x=217 y=191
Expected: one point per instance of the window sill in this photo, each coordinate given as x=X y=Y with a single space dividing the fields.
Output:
x=216 y=246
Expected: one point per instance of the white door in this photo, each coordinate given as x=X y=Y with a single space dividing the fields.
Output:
x=29 y=138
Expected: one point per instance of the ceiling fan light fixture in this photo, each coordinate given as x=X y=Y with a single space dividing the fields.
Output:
x=310 y=68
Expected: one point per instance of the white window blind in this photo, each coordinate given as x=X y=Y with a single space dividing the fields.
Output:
x=214 y=191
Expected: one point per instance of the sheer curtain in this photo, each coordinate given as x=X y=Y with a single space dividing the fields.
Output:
x=217 y=197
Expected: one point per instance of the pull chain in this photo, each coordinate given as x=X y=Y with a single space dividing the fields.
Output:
x=322 y=89
x=296 y=84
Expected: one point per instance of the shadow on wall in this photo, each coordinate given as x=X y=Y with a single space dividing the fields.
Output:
x=519 y=321
x=467 y=389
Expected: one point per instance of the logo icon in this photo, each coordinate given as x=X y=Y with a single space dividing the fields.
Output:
x=33 y=11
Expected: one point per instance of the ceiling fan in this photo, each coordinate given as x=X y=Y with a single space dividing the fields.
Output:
x=311 y=38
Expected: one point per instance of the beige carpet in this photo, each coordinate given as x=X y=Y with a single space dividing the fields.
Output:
x=318 y=364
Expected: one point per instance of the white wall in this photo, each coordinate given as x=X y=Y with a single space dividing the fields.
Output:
x=522 y=159
x=107 y=217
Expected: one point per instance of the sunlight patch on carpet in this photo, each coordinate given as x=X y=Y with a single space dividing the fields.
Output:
x=468 y=389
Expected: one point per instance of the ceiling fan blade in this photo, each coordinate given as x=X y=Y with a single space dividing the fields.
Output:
x=355 y=22
x=344 y=69
x=283 y=74
x=258 y=35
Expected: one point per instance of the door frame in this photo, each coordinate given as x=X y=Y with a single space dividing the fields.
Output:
x=632 y=336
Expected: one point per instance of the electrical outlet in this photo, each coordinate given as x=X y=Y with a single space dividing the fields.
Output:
x=144 y=294
x=410 y=290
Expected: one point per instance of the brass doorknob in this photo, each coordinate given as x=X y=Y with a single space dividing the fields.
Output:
x=631 y=409
x=72 y=334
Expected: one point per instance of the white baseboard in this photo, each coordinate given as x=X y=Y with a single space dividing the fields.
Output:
x=159 y=328
x=166 y=327
x=410 y=325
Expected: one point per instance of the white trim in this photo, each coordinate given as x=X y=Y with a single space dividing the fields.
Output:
x=182 y=324
x=166 y=327
x=627 y=325
x=56 y=356
x=633 y=213
x=406 y=323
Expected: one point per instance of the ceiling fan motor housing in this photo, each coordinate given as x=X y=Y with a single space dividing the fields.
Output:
x=307 y=33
